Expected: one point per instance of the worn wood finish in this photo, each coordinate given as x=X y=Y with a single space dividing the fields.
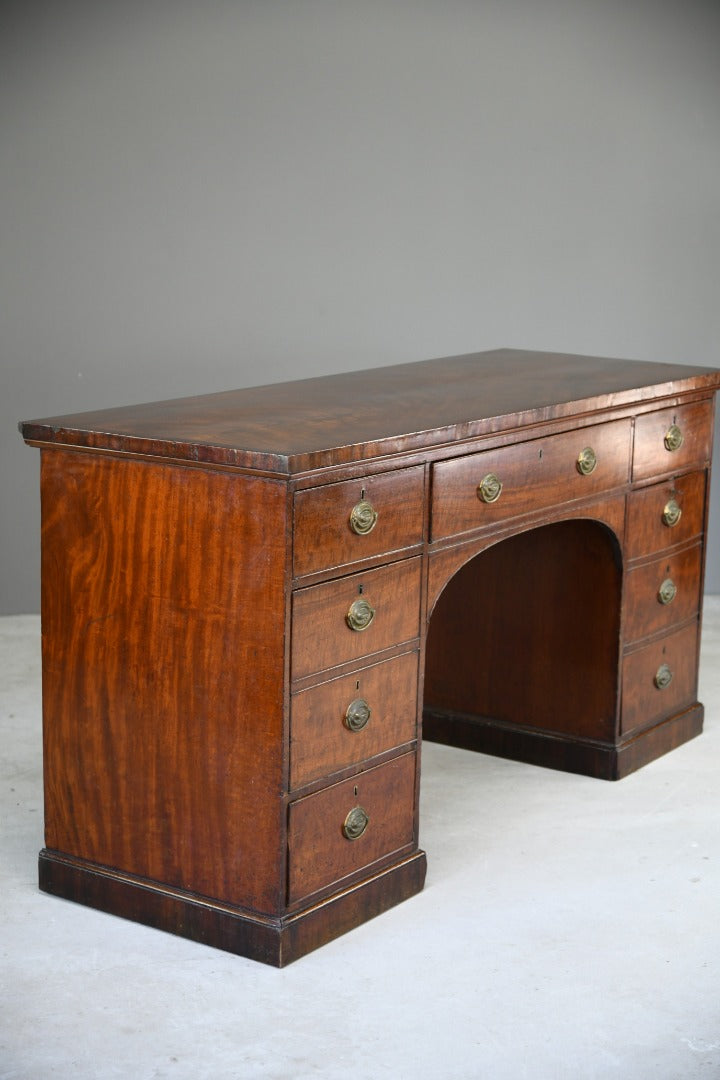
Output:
x=534 y=475
x=322 y=743
x=323 y=538
x=198 y=567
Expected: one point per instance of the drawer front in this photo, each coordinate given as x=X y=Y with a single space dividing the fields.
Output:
x=672 y=439
x=379 y=805
x=652 y=519
x=533 y=475
x=662 y=593
x=645 y=697
x=343 y=523
x=347 y=720
x=324 y=616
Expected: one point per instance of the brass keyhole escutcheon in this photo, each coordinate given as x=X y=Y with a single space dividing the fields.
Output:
x=360 y=615
x=671 y=514
x=667 y=591
x=663 y=677
x=363 y=518
x=357 y=715
x=586 y=461
x=673 y=438
x=489 y=488
x=355 y=823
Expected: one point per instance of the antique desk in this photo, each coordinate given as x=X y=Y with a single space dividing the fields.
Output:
x=252 y=601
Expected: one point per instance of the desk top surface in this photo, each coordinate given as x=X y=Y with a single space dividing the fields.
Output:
x=291 y=427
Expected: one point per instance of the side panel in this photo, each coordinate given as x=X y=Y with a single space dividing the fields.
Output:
x=163 y=638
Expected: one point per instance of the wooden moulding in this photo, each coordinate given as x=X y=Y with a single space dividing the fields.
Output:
x=553 y=751
x=274 y=941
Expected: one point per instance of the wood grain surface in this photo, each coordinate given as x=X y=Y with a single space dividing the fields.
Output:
x=163 y=623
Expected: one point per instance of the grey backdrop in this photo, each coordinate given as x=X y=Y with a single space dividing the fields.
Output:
x=197 y=196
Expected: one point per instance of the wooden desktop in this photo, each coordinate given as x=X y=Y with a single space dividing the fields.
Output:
x=254 y=603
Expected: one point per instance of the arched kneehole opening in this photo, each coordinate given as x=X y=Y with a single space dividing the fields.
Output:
x=523 y=644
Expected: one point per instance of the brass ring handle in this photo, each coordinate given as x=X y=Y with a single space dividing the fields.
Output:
x=357 y=715
x=663 y=677
x=667 y=591
x=363 y=518
x=671 y=514
x=489 y=488
x=360 y=615
x=673 y=438
x=586 y=461
x=355 y=823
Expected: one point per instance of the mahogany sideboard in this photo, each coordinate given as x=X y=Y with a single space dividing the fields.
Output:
x=254 y=602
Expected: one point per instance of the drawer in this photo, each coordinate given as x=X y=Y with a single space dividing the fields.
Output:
x=347 y=720
x=660 y=679
x=343 y=523
x=388 y=599
x=662 y=593
x=379 y=805
x=652 y=517
x=672 y=439
x=483 y=488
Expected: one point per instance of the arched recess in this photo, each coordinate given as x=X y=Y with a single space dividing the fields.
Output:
x=522 y=653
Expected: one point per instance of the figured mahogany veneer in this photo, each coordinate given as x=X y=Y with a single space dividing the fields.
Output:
x=253 y=600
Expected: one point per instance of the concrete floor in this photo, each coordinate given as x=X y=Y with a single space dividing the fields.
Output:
x=569 y=928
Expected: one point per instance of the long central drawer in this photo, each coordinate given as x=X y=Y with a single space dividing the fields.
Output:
x=481 y=489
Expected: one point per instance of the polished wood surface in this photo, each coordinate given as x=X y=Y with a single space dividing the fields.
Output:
x=202 y=583
x=162 y=646
x=645 y=611
x=322 y=539
x=319 y=852
x=534 y=475
x=647 y=532
x=361 y=415
x=321 y=743
x=651 y=454
x=528 y=632
x=322 y=637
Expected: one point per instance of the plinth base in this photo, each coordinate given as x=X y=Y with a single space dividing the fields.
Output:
x=277 y=941
x=604 y=761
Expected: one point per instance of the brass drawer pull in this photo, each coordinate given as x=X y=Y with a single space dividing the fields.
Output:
x=357 y=715
x=663 y=677
x=667 y=591
x=489 y=488
x=363 y=518
x=355 y=823
x=673 y=438
x=671 y=514
x=360 y=615
x=586 y=461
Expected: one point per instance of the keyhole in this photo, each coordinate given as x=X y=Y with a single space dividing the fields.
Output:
x=356 y=791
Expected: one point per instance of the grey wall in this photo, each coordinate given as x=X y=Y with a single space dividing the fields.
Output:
x=196 y=196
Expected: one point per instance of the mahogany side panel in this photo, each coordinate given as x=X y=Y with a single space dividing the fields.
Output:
x=163 y=599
